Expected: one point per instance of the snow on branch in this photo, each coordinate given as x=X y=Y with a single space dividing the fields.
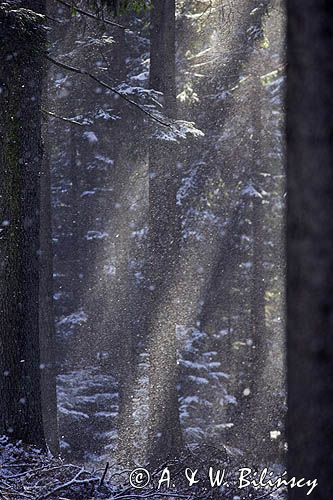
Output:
x=176 y=129
x=112 y=89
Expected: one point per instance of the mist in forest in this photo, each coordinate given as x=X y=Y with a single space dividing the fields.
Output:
x=143 y=241
x=147 y=212
x=167 y=184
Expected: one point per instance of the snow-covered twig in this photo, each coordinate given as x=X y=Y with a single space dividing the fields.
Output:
x=112 y=89
x=63 y=118
x=70 y=483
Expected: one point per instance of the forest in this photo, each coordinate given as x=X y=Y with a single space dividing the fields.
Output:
x=165 y=248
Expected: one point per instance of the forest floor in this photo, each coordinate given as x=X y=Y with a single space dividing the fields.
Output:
x=26 y=472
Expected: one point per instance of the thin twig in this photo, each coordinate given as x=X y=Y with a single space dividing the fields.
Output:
x=152 y=495
x=89 y=14
x=52 y=19
x=122 y=493
x=267 y=494
x=10 y=491
x=45 y=468
x=17 y=466
x=75 y=480
x=103 y=84
x=104 y=474
x=63 y=118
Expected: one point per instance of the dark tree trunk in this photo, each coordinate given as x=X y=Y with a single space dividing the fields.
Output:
x=165 y=437
x=76 y=173
x=46 y=314
x=310 y=244
x=21 y=72
x=163 y=52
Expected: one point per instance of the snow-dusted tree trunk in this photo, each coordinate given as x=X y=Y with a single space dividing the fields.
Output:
x=21 y=72
x=165 y=437
x=310 y=244
x=124 y=314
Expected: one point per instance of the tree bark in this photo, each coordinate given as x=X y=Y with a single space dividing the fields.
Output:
x=76 y=223
x=46 y=314
x=165 y=437
x=21 y=73
x=123 y=328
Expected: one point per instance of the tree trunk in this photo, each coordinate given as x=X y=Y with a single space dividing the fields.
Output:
x=76 y=223
x=165 y=438
x=46 y=314
x=310 y=244
x=123 y=328
x=21 y=73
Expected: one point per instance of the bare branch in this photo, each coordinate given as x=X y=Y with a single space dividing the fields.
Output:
x=151 y=495
x=63 y=118
x=73 y=481
x=103 y=84
x=104 y=474
x=53 y=19
x=89 y=14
